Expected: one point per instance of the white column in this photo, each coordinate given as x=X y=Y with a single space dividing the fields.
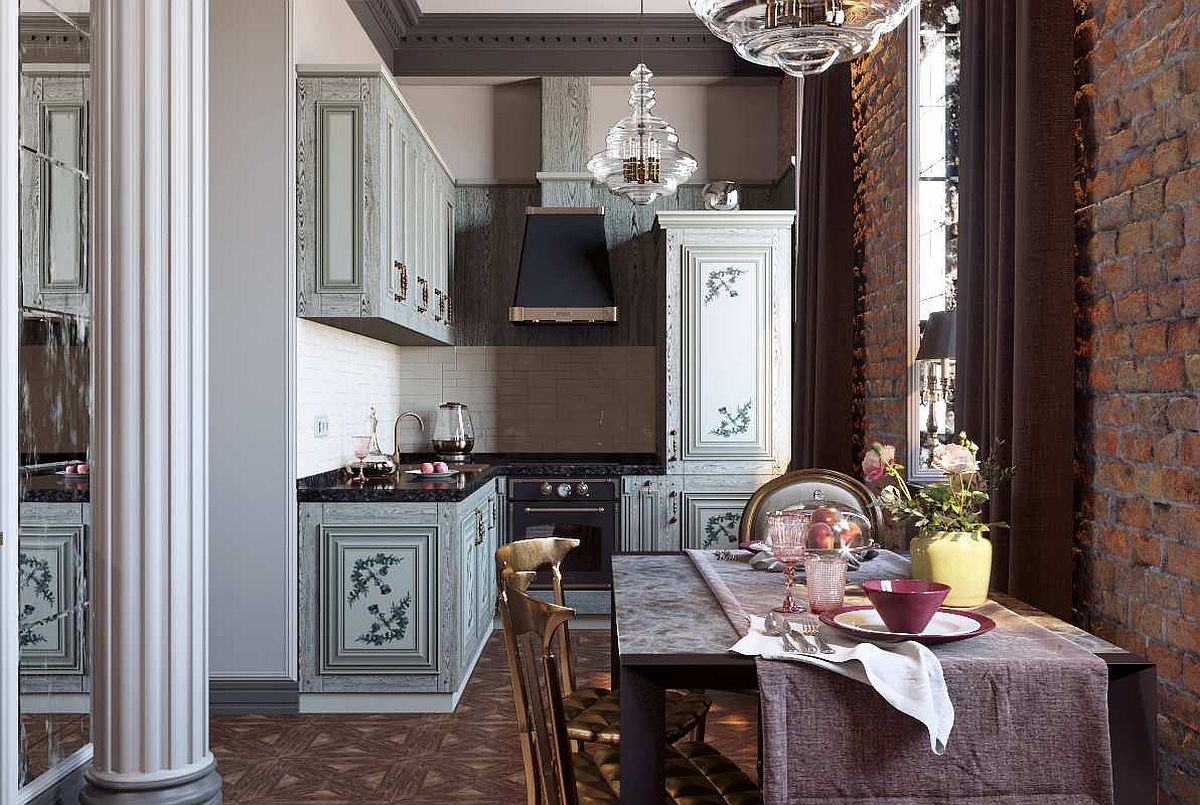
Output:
x=150 y=439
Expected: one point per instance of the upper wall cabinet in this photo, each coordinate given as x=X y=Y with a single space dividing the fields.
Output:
x=54 y=197
x=728 y=341
x=375 y=211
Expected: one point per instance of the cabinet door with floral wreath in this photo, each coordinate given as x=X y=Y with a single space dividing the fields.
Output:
x=728 y=330
x=378 y=599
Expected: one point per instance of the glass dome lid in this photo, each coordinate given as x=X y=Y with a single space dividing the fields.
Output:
x=802 y=37
x=642 y=159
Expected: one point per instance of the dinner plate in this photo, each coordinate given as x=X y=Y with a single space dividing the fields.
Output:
x=72 y=474
x=946 y=626
x=432 y=476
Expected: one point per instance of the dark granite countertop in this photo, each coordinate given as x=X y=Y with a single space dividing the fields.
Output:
x=335 y=487
x=50 y=488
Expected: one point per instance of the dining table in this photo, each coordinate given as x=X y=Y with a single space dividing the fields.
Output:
x=669 y=631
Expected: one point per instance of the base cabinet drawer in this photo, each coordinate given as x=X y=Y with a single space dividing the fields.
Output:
x=378 y=599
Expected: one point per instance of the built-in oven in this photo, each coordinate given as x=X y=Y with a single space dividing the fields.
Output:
x=576 y=508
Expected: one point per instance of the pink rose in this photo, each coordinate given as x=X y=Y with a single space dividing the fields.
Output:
x=954 y=459
x=876 y=462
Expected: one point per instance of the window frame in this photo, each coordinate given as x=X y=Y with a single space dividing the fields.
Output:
x=914 y=426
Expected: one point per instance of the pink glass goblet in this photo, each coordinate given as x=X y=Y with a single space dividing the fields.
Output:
x=788 y=533
x=362 y=446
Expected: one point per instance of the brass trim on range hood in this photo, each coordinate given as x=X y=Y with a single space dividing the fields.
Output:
x=562 y=315
x=564 y=211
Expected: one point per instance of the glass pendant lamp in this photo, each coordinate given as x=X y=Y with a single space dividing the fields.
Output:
x=802 y=37
x=642 y=160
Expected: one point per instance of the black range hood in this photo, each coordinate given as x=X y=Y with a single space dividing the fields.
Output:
x=564 y=275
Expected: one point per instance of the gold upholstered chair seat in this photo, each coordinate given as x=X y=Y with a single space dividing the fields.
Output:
x=594 y=714
x=696 y=774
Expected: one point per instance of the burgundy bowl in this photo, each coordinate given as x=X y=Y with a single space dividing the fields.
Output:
x=906 y=605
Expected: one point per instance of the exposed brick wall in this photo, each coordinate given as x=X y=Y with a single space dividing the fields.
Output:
x=1138 y=436
x=880 y=117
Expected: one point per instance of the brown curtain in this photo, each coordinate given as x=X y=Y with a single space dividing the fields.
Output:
x=1016 y=280
x=823 y=314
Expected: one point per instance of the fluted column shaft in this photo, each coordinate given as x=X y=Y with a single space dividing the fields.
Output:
x=150 y=432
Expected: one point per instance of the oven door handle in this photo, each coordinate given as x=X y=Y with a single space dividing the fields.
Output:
x=565 y=510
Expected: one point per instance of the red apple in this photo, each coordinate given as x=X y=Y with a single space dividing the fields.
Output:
x=848 y=531
x=83 y=469
x=71 y=469
x=440 y=466
x=820 y=537
x=826 y=514
x=426 y=468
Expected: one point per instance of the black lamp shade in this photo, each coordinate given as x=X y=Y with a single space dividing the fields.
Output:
x=937 y=342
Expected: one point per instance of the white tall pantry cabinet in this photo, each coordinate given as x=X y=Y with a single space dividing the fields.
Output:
x=726 y=407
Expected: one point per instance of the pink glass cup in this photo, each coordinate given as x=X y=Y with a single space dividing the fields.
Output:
x=788 y=533
x=825 y=578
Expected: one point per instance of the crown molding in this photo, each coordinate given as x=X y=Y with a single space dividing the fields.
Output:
x=48 y=39
x=386 y=22
x=418 y=44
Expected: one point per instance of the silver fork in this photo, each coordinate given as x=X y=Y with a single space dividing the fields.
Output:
x=778 y=626
x=811 y=628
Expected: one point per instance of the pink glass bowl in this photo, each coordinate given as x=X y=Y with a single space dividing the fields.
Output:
x=906 y=605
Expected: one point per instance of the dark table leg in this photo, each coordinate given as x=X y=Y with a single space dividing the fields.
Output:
x=1132 y=709
x=643 y=729
x=614 y=651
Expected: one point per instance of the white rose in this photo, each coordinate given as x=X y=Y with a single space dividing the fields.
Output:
x=954 y=459
x=889 y=496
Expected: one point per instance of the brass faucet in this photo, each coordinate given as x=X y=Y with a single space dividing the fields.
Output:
x=396 y=433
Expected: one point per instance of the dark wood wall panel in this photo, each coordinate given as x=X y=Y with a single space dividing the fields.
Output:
x=490 y=225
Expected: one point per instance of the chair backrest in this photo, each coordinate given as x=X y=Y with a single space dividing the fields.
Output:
x=530 y=556
x=803 y=486
x=531 y=629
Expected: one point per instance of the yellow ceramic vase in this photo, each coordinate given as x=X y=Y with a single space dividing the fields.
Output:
x=961 y=559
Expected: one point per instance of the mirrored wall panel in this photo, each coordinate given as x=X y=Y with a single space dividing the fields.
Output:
x=55 y=392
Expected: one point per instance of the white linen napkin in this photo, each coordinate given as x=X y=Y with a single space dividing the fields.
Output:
x=907 y=675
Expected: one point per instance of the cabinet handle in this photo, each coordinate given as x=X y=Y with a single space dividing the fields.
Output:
x=480 y=528
x=449 y=310
x=423 y=304
x=401 y=269
x=495 y=513
x=440 y=313
x=674 y=518
x=565 y=510
x=674 y=442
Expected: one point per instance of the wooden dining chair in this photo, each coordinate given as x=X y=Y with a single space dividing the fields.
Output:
x=793 y=489
x=593 y=713
x=556 y=773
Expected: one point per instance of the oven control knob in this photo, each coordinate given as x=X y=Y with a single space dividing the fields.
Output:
x=564 y=490
x=547 y=489
x=581 y=489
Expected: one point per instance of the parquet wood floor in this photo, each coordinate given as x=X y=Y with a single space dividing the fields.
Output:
x=469 y=757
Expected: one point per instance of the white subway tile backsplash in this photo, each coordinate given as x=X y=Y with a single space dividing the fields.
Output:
x=522 y=399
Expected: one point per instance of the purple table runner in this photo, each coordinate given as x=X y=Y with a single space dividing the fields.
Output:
x=1031 y=715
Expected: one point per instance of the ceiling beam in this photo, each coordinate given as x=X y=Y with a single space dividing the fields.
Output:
x=419 y=44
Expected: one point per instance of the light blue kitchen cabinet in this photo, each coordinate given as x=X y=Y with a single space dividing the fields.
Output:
x=375 y=211
x=52 y=596
x=55 y=272
x=650 y=513
x=727 y=341
x=396 y=601
x=711 y=508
